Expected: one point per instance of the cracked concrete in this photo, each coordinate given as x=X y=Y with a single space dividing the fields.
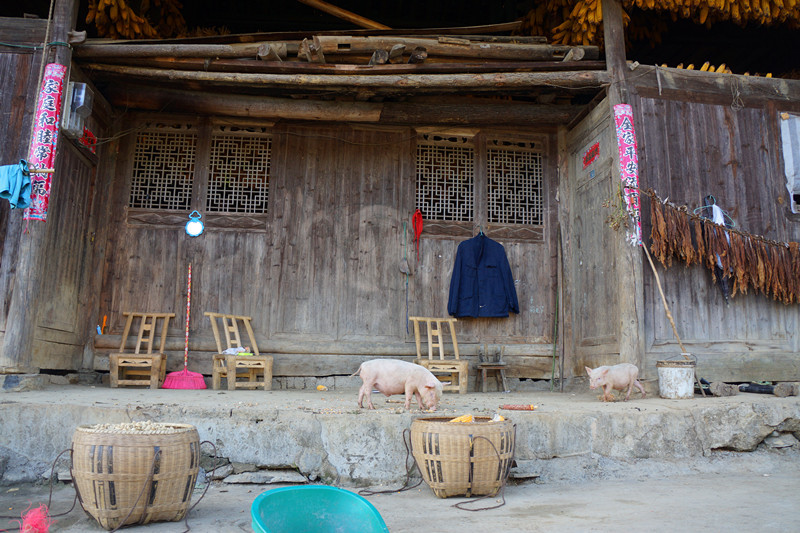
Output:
x=324 y=436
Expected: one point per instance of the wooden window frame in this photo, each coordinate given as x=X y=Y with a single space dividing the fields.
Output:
x=481 y=139
x=206 y=129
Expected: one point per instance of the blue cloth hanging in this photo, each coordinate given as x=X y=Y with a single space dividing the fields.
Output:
x=15 y=184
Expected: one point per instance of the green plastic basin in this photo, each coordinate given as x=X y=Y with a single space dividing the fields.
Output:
x=314 y=508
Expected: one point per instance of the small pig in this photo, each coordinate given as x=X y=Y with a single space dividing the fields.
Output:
x=394 y=376
x=615 y=377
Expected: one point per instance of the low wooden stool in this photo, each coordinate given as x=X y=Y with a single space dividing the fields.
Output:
x=499 y=370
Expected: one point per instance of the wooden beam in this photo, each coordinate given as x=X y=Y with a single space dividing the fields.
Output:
x=301 y=67
x=629 y=268
x=462 y=48
x=239 y=105
x=414 y=113
x=99 y=51
x=581 y=80
x=17 y=30
x=343 y=14
x=711 y=87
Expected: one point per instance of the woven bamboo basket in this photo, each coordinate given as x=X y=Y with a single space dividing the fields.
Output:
x=463 y=459
x=135 y=473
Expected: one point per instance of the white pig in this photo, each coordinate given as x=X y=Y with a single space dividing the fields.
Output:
x=615 y=377
x=394 y=376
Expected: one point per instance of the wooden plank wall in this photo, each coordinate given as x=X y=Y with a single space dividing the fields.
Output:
x=65 y=326
x=590 y=285
x=322 y=280
x=688 y=150
x=19 y=70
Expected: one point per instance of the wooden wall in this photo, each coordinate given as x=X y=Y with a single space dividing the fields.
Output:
x=321 y=278
x=64 y=326
x=592 y=309
x=19 y=70
x=687 y=150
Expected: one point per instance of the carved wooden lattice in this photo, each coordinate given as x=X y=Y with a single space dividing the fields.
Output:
x=239 y=172
x=446 y=177
x=514 y=179
x=163 y=167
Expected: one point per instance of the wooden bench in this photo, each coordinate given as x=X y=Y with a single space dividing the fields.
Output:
x=454 y=368
x=240 y=371
x=141 y=367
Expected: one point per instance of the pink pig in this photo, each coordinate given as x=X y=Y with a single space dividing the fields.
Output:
x=615 y=377
x=394 y=376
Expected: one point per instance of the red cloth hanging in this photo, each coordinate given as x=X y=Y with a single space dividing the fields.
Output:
x=416 y=223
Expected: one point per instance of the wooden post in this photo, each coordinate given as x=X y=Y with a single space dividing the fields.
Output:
x=31 y=268
x=630 y=281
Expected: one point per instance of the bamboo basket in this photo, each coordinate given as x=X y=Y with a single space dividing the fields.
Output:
x=135 y=473
x=463 y=459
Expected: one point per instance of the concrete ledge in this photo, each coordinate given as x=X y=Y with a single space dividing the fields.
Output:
x=325 y=436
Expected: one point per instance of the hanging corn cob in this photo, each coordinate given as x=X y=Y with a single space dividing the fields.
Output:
x=155 y=18
x=579 y=22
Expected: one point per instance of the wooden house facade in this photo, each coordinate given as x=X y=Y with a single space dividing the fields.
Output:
x=308 y=202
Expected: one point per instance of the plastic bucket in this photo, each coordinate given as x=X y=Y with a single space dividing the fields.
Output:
x=676 y=379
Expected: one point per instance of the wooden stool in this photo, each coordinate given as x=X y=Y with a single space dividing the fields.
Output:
x=142 y=367
x=456 y=370
x=499 y=370
x=240 y=371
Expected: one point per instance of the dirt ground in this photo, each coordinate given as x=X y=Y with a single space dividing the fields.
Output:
x=729 y=491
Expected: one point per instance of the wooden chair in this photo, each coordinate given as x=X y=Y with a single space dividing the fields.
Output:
x=240 y=371
x=141 y=367
x=456 y=369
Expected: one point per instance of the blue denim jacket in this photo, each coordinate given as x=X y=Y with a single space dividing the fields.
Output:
x=481 y=284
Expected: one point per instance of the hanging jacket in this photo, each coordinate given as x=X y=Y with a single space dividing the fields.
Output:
x=481 y=284
x=15 y=184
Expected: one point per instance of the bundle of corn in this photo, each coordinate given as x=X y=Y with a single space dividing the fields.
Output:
x=152 y=19
x=707 y=67
x=578 y=22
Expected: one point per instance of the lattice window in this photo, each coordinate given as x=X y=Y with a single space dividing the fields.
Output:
x=446 y=177
x=163 y=167
x=239 y=174
x=514 y=177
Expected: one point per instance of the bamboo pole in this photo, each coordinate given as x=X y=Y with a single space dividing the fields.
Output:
x=669 y=315
x=343 y=14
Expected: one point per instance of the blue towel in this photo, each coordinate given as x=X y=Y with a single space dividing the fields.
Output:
x=15 y=184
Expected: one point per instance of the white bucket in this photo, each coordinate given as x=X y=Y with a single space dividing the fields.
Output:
x=676 y=379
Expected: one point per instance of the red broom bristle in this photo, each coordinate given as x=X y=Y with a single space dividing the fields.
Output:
x=36 y=521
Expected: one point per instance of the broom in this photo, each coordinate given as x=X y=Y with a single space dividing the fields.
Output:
x=183 y=379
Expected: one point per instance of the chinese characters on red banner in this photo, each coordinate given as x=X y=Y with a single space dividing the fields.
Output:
x=45 y=137
x=629 y=169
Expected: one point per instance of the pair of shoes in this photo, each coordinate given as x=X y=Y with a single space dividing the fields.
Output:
x=758 y=388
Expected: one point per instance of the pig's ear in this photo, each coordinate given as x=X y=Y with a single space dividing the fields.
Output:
x=588 y=370
x=604 y=372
